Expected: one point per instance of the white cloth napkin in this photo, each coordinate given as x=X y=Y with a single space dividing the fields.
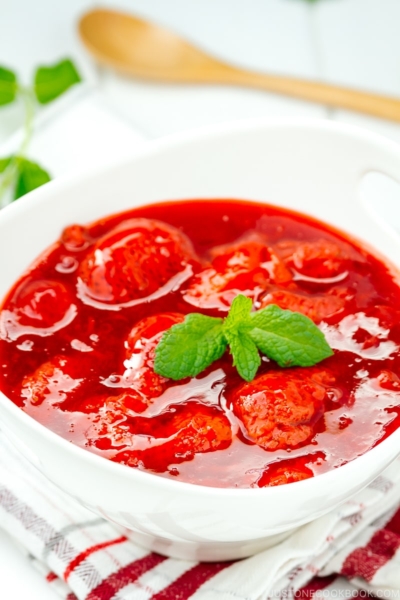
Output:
x=85 y=557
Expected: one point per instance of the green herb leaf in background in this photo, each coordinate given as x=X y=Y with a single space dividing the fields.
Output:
x=289 y=338
x=4 y=163
x=30 y=176
x=18 y=175
x=8 y=86
x=51 y=82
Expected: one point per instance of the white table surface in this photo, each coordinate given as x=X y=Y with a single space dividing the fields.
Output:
x=351 y=42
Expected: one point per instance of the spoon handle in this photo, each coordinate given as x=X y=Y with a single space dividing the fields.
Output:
x=376 y=105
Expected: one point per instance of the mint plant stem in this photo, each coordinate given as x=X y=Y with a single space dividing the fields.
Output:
x=18 y=175
x=29 y=104
x=10 y=174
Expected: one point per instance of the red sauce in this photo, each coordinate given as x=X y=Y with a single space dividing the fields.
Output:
x=78 y=332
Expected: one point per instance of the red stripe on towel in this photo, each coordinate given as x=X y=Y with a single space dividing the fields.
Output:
x=394 y=523
x=124 y=576
x=86 y=553
x=365 y=562
x=188 y=583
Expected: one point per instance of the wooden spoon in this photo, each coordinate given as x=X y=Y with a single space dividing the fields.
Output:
x=136 y=47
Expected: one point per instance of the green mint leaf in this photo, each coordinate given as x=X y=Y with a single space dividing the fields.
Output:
x=30 y=176
x=246 y=357
x=239 y=315
x=239 y=312
x=237 y=324
x=186 y=349
x=289 y=338
x=51 y=82
x=8 y=86
x=4 y=162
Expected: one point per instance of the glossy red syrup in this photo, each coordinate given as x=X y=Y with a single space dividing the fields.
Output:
x=78 y=333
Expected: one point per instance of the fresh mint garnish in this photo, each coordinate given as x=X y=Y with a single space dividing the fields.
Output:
x=18 y=175
x=236 y=329
x=186 y=349
x=51 y=82
x=289 y=338
x=8 y=86
x=246 y=357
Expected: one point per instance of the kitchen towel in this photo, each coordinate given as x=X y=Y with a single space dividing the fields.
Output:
x=85 y=557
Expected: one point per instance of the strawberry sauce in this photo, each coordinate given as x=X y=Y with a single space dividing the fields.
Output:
x=78 y=333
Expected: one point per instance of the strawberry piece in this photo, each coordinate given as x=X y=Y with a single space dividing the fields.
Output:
x=244 y=267
x=321 y=259
x=111 y=426
x=75 y=238
x=389 y=381
x=129 y=402
x=187 y=429
x=52 y=382
x=288 y=471
x=316 y=307
x=134 y=260
x=146 y=334
x=280 y=409
x=141 y=345
x=41 y=303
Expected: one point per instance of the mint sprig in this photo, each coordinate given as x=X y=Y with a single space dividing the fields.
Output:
x=190 y=347
x=289 y=338
x=17 y=173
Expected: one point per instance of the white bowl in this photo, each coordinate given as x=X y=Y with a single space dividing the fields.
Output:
x=311 y=166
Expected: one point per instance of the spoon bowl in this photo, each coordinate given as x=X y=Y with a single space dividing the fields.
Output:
x=142 y=49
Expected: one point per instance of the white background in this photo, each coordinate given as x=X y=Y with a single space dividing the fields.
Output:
x=351 y=42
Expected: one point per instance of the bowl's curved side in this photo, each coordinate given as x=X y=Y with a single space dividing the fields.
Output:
x=185 y=520
x=313 y=167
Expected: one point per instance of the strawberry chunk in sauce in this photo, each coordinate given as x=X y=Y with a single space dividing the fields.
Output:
x=280 y=409
x=289 y=471
x=110 y=418
x=52 y=382
x=135 y=260
x=75 y=238
x=176 y=435
x=140 y=353
x=245 y=267
x=317 y=307
x=42 y=303
x=320 y=259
